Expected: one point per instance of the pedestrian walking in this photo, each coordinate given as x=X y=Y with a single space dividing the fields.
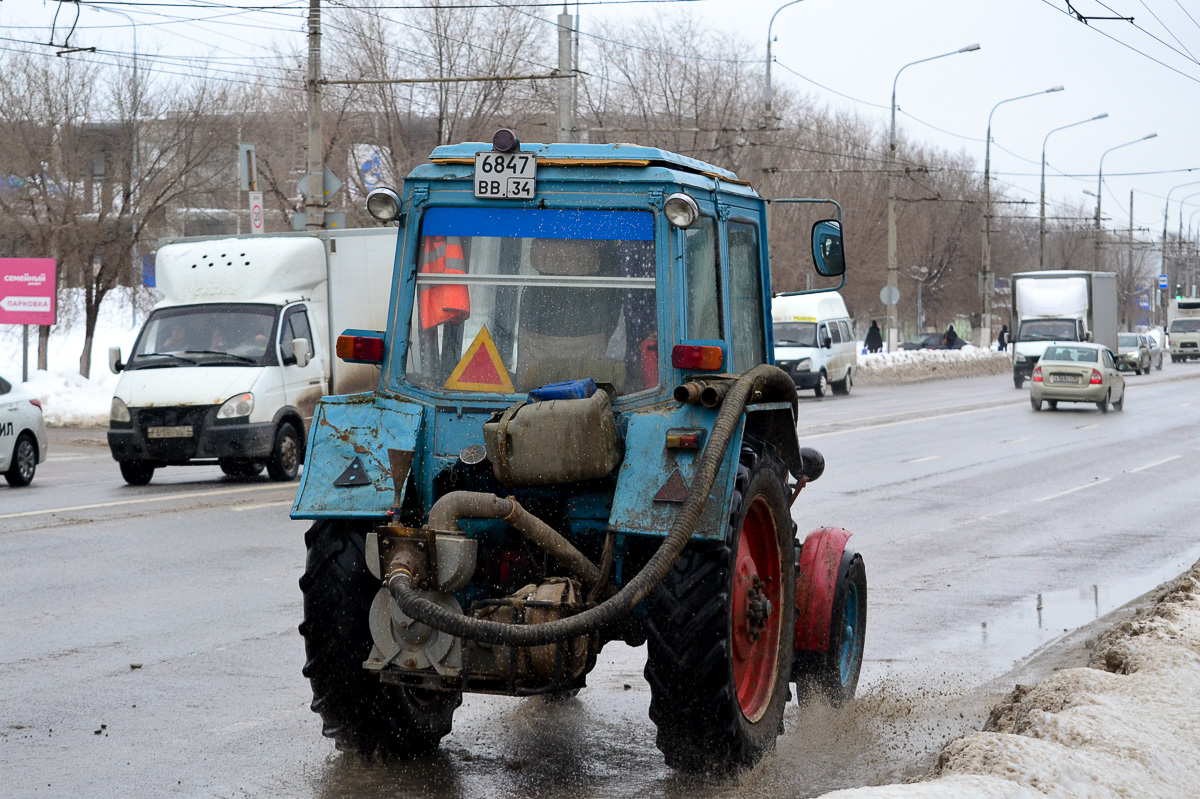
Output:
x=1003 y=340
x=950 y=340
x=874 y=340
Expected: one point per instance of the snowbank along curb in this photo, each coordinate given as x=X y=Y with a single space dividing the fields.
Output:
x=1126 y=726
x=919 y=366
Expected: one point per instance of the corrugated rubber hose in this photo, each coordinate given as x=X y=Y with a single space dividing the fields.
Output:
x=760 y=383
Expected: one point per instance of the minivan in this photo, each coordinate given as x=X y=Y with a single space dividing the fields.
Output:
x=814 y=341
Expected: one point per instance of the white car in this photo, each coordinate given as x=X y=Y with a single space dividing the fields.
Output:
x=22 y=433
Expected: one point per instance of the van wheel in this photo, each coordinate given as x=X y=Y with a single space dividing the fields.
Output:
x=137 y=473
x=822 y=385
x=843 y=386
x=284 y=463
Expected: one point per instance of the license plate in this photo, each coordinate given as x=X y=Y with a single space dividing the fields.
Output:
x=178 y=431
x=505 y=176
x=1064 y=379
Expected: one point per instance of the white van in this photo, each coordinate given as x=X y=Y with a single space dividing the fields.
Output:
x=814 y=341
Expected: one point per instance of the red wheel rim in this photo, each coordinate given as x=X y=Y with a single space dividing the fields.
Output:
x=756 y=610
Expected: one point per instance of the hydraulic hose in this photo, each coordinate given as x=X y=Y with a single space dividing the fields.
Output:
x=445 y=513
x=761 y=382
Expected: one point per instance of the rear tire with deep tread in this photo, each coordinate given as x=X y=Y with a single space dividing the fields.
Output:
x=359 y=712
x=692 y=643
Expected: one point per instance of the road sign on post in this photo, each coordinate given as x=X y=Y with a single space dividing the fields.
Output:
x=889 y=295
x=27 y=291
x=1162 y=281
x=256 y=212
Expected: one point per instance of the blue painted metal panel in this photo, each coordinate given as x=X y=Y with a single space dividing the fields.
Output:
x=549 y=223
x=648 y=464
x=363 y=426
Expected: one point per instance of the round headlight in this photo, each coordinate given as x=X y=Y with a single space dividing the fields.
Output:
x=383 y=204
x=681 y=210
x=119 y=411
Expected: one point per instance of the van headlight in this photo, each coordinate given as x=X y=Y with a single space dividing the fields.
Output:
x=804 y=365
x=238 y=406
x=119 y=411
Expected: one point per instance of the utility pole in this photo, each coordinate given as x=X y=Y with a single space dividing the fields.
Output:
x=566 y=78
x=314 y=183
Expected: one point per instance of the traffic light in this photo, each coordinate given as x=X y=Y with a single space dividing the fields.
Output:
x=1179 y=291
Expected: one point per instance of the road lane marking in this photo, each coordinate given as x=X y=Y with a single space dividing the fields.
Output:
x=808 y=436
x=139 y=501
x=1092 y=484
x=1184 y=404
x=1086 y=426
x=1014 y=440
x=1156 y=463
x=922 y=460
x=257 y=505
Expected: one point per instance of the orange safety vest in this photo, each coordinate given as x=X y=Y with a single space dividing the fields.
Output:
x=443 y=302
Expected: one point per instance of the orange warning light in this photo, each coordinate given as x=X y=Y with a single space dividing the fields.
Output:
x=481 y=368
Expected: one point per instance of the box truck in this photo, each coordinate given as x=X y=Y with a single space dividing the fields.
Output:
x=1183 y=329
x=1064 y=305
x=231 y=362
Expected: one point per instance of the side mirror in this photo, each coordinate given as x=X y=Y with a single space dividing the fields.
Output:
x=828 y=257
x=301 y=351
x=827 y=342
x=1087 y=336
x=114 y=360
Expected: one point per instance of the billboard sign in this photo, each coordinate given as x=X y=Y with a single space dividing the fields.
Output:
x=27 y=291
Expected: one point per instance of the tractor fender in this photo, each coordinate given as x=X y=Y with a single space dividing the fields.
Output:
x=816 y=582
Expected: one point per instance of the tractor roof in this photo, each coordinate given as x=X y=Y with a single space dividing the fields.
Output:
x=588 y=155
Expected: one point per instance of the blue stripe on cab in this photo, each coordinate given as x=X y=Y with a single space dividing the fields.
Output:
x=538 y=223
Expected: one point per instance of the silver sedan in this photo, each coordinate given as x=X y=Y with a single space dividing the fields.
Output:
x=1077 y=372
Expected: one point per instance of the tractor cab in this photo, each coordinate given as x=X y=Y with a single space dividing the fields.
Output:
x=577 y=437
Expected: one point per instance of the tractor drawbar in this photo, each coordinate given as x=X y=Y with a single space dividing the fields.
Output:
x=760 y=383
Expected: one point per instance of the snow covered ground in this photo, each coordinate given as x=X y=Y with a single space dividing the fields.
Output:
x=918 y=366
x=1127 y=726
x=69 y=400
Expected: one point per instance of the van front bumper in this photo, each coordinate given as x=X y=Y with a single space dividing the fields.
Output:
x=209 y=440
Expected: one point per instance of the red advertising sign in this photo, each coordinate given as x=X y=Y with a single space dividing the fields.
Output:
x=27 y=291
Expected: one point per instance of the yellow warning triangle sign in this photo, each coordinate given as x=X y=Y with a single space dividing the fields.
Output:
x=481 y=368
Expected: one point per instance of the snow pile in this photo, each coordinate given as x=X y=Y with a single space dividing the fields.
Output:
x=918 y=366
x=1124 y=727
x=69 y=400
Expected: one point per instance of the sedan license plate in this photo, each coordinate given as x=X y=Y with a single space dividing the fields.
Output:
x=1064 y=378
x=505 y=176
x=177 y=431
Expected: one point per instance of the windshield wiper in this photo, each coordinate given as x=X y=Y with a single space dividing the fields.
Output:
x=241 y=358
x=166 y=355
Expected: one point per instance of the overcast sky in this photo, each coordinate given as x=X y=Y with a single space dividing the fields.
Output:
x=853 y=49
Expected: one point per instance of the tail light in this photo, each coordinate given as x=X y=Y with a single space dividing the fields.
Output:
x=1037 y=375
x=1097 y=378
x=360 y=346
x=36 y=402
x=697 y=356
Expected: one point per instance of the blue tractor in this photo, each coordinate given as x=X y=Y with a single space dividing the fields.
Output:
x=578 y=437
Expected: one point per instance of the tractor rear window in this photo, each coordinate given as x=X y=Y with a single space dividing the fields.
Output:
x=509 y=300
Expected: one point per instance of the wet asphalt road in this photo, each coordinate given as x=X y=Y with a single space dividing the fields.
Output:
x=148 y=642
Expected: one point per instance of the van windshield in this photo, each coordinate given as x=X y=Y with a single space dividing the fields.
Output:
x=508 y=300
x=205 y=335
x=1185 y=326
x=795 y=334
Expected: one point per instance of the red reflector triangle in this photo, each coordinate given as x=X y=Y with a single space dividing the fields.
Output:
x=481 y=368
x=674 y=490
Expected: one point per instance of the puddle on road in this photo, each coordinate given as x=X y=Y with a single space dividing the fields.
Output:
x=988 y=649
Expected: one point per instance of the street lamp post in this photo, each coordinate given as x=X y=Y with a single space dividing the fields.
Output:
x=768 y=97
x=1042 y=212
x=1166 y=210
x=985 y=338
x=892 y=279
x=1099 y=187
